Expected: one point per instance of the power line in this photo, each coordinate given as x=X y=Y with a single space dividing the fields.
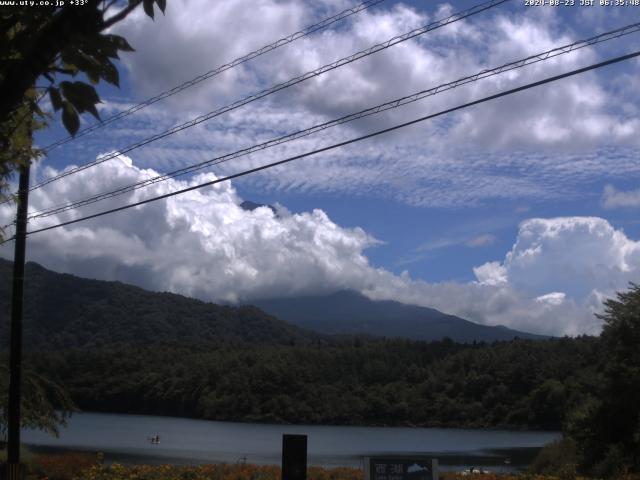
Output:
x=347 y=142
x=293 y=81
x=633 y=28
x=216 y=71
x=281 y=86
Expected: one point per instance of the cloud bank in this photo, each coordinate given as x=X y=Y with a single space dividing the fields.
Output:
x=540 y=145
x=204 y=244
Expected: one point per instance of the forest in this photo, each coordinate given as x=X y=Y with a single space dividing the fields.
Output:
x=517 y=384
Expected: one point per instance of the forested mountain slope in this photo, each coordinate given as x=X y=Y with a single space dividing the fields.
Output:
x=65 y=311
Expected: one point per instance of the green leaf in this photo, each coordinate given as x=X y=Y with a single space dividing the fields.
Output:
x=148 y=7
x=77 y=60
x=70 y=118
x=79 y=92
x=56 y=99
x=93 y=111
x=93 y=76
x=83 y=97
x=101 y=47
x=162 y=4
x=120 y=43
x=74 y=69
x=110 y=74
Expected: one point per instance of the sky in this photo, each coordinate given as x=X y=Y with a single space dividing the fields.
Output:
x=522 y=211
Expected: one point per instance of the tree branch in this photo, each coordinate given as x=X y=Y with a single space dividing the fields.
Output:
x=108 y=6
x=121 y=15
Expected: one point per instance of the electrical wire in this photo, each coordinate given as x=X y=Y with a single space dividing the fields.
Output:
x=216 y=71
x=281 y=86
x=342 y=144
x=610 y=35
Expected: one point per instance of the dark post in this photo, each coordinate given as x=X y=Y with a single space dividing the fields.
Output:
x=15 y=356
x=294 y=457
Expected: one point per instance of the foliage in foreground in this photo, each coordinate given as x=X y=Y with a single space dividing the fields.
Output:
x=606 y=427
x=75 y=466
x=46 y=42
x=559 y=459
x=71 y=466
x=45 y=404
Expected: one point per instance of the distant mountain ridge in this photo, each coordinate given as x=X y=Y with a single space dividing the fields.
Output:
x=349 y=312
x=64 y=311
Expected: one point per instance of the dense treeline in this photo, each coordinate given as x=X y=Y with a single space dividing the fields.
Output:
x=522 y=384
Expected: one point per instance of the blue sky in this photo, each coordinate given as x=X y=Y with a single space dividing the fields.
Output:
x=520 y=212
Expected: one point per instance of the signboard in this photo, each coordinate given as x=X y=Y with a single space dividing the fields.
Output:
x=400 y=468
x=294 y=457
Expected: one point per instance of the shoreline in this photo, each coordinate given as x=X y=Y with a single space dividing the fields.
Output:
x=503 y=428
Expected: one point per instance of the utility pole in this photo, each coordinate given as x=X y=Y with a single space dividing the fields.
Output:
x=13 y=468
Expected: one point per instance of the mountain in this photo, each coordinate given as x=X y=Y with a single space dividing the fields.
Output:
x=349 y=312
x=65 y=311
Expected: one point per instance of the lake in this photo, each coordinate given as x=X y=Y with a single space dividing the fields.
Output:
x=126 y=438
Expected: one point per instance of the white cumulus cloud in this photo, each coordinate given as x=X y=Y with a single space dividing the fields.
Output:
x=574 y=255
x=203 y=244
x=567 y=260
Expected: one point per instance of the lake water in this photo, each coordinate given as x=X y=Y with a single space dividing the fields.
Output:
x=125 y=438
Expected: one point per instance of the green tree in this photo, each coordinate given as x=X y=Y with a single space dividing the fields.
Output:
x=62 y=47
x=607 y=429
x=16 y=147
x=45 y=404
